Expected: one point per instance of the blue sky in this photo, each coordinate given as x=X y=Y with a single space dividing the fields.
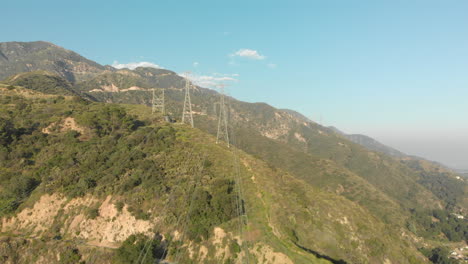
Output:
x=394 y=70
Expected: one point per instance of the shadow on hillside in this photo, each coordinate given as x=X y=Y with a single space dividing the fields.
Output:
x=318 y=255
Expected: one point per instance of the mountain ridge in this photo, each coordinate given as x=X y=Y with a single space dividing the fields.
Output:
x=148 y=77
x=167 y=79
x=272 y=196
x=41 y=55
x=312 y=154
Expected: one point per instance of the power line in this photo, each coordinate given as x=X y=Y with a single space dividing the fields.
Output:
x=243 y=219
x=222 y=119
x=184 y=169
x=92 y=258
x=241 y=207
x=198 y=175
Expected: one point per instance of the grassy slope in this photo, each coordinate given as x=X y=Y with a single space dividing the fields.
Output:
x=284 y=212
x=401 y=183
x=42 y=81
x=398 y=184
x=370 y=178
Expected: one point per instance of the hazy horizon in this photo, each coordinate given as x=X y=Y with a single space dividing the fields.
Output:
x=450 y=153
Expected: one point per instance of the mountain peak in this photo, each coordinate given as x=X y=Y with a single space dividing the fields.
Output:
x=42 y=55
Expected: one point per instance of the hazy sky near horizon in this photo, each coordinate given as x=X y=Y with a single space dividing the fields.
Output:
x=394 y=70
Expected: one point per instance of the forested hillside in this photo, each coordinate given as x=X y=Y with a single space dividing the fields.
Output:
x=93 y=163
x=88 y=170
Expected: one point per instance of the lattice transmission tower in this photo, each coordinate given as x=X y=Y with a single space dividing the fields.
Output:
x=187 y=111
x=222 y=118
x=158 y=103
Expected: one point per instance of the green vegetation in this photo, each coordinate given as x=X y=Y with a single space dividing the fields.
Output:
x=210 y=208
x=138 y=159
x=139 y=248
x=438 y=255
x=336 y=192
x=122 y=156
x=44 y=56
x=15 y=249
x=43 y=82
x=440 y=182
x=123 y=80
x=119 y=206
x=431 y=224
x=108 y=120
x=352 y=168
x=92 y=212
x=71 y=256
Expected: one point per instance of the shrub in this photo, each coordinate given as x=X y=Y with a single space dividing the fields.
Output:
x=70 y=256
x=92 y=213
x=119 y=206
x=138 y=213
x=438 y=255
x=109 y=120
x=8 y=205
x=136 y=249
x=211 y=207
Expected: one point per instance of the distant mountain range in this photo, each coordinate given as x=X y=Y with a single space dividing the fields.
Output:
x=377 y=146
x=463 y=173
x=323 y=194
x=370 y=143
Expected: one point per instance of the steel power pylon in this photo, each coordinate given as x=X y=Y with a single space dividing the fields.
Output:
x=222 y=119
x=158 y=103
x=187 y=111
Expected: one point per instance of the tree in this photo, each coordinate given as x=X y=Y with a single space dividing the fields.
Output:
x=440 y=256
x=136 y=249
x=70 y=256
x=7 y=131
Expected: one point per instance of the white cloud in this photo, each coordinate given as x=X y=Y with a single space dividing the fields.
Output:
x=248 y=53
x=134 y=65
x=226 y=74
x=272 y=65
x=195 y=64
x=210 y=81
